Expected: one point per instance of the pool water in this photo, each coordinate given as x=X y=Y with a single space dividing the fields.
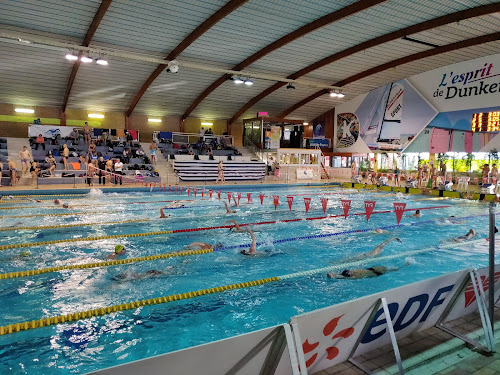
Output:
x=286 y=247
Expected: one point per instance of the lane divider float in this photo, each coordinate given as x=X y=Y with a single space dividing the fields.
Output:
x=80 y=315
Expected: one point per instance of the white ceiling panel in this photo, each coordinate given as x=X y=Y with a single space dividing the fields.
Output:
x=108 y=88
x=70 y=18
x=31 y=75
x=154 y=25
x=257 y=24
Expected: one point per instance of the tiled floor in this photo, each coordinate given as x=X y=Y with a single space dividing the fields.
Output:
x=432 y=351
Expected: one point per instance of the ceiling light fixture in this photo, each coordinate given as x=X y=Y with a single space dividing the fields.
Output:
x=24 y=110
x=101 y=61
x=95 y=115
x=290 y=86
x=71 y=55
x=86 y=59
x=207 y=123
x=333 y=94
x=305 y=123
x=340 y=95
x=248 y=82
x=154 y=120
x=238 y=80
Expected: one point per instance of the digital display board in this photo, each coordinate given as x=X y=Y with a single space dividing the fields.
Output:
x=486 y=122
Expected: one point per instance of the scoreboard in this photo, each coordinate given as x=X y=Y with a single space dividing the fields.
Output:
x=486 y=122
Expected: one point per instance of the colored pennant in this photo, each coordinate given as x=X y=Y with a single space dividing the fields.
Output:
x=346 y=205
x=175 y=189
x=181 y=190
x=239 y=197
x=169 y=188
x=249 y=197
x=290 y=202
x=210 y=192
x=307 y=203
x=399 y=208
x=202 y=193
x=276 y=201
x=188 y=191
x=229 y=196
x=218 y=194
x=261 y=196
x=369 y=206
x=324 y=202
x=194 y=189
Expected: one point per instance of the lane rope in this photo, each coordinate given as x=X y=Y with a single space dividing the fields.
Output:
x=79 y=315
x=16 y=274
x=74 y=225
x=157 y=233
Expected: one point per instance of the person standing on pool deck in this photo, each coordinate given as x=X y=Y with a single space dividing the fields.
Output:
x=87 y=129
x=152 y=151
x=253 y=247
x=26 y=158
x=13 y=172
x=220 y=176
x=65 y=156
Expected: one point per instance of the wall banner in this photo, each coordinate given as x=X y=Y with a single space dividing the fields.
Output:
x=319 y=129
x=275 y=137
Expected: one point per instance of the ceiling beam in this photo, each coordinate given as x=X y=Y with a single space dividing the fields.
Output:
x=423 y=26
x=294 y=35
x=230 y=6
x=88 y=38
x=395 y=63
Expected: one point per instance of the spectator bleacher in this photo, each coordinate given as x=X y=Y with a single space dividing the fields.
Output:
x=109 y=149
x=5 y=179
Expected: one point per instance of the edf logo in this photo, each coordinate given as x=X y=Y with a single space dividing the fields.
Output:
x=423 y=310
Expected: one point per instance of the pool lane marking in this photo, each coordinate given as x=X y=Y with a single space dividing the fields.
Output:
x=16 y=274
x=158 y=233
x=79 y=315
x=75 y=225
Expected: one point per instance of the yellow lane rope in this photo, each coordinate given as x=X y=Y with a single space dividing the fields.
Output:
x=11 y=275
x=48 y=215
x=71 y=317
x=33 y=244
x=73 y=225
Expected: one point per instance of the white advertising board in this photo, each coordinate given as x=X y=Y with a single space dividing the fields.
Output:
x=243 y=355
x=329 y=335
x=466 y=85
x=49 y=131
x=466 y=303
x=305 y=174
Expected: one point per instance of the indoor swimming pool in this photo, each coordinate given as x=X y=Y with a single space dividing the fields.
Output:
x=287 y=244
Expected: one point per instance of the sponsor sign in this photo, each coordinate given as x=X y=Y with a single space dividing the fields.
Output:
x=307 y=203
x=324 y=202
x=276 y=201
x=329 y=335
x=369 y=206
x=346 y=205
x=290 y=202
x=399 y=209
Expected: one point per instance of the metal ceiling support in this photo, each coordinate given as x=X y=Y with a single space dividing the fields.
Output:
x=423 y=26
x=90 y=34
x=230 y=6
x=294 y=35
x=395 y=63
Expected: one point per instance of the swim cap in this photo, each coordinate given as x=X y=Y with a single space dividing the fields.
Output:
x=119 y=248
x=25 y=253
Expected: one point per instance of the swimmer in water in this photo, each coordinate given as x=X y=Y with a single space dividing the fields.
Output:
x=381 y=231
x=235 y=201
x=375 y=252
x=417 y=214
x=360 y=273
x=469 y=236
x=202 y=246
x=253 y=247
x=236 y=226
x=57 y=201
x=65 y=205
x=125 y=276
x=119 y=251
x=162 y=214
x=175 y=204
x=228 y=210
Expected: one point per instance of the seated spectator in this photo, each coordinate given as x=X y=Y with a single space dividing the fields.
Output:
x=140 y=152
x=40 y=140
x=92 y=147
x=106 y=156
x=209 y=131
x=37 y=121
x=74 y=135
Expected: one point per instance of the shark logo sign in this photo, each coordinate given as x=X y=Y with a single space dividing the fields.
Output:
x=369 y=206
